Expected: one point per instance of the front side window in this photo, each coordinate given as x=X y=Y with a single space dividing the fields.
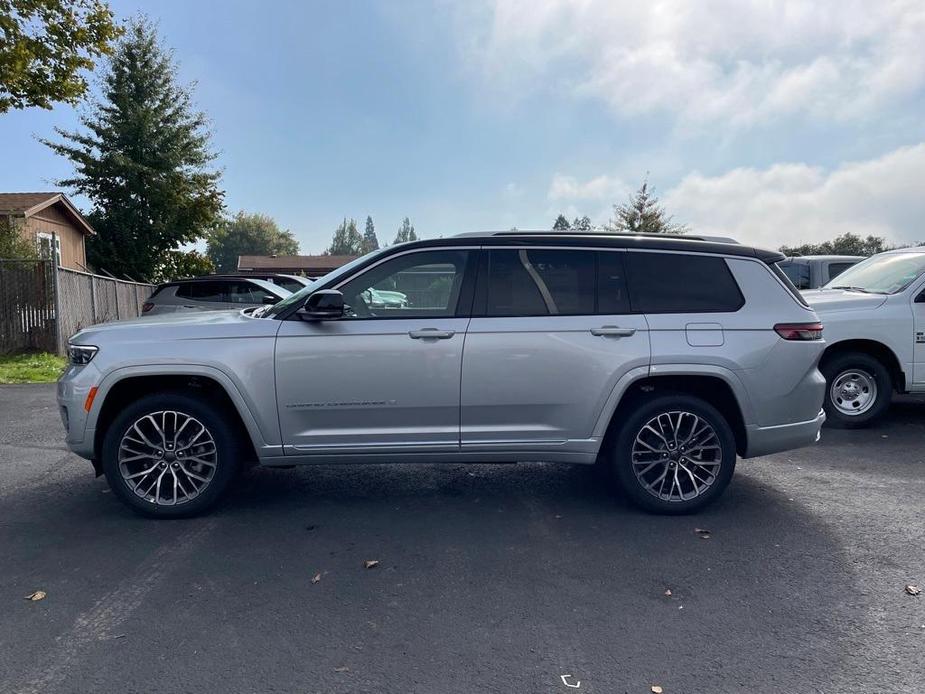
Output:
x=681 y=283
x=416 y=285
x=535 y=282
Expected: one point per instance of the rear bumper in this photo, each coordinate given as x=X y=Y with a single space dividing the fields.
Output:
x=783 y=437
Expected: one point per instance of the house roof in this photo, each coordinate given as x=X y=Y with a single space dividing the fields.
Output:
x=28 y=204
x=292 y=262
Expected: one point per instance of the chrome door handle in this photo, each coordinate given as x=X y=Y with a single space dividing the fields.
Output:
x=613 y=331
x=431 y=334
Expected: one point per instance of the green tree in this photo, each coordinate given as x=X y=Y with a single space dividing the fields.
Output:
x=642 y=214
x=176 y=265
x=846 y=244
x=248 y=234
x=405 y=232
x=143 y=160
x=346 y=240
x=13 y=244
x=582 y=223
x=45 y=45
x=370 y=242
x=561 y=224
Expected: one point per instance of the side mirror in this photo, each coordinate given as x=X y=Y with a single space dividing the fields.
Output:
x=325 y=304
x=270 y=300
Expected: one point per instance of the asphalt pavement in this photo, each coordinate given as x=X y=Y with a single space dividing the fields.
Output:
x=490 y=578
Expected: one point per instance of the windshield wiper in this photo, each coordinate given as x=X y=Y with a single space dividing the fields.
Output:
x=854 y=289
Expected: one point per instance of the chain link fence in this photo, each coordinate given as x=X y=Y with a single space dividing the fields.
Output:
x=39 y=313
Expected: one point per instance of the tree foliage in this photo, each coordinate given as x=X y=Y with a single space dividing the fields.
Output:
x=582 y=223
x=13 y=244
x=248 y=234
x=175 y=265
x=370 y=242
x=405 y=232
x=846 y=244
x=143 y=160
x=347 y=240
x=561 y=224
x=642 y=214
x=45 y=45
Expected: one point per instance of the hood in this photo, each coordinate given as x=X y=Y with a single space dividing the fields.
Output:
x=826 y=300
x=186 y=325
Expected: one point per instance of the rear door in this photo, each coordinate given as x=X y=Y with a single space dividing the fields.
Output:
x=551 y=334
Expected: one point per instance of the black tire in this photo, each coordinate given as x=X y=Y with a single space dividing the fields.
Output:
x=871 y=367
x=217 y=423
x=718 y=479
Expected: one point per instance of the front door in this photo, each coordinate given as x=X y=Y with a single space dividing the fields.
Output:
x=386 y=376
x=550 y=337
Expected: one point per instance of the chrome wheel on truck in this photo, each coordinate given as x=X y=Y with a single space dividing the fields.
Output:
x=853 y=392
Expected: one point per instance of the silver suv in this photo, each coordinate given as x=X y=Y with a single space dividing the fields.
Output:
x=660 y=358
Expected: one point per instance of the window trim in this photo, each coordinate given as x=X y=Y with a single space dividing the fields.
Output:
x=54 y=242
x=466 y=291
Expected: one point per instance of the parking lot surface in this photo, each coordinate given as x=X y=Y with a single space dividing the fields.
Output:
x=490 y=578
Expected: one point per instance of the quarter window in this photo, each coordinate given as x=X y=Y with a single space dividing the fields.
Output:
x=681 y=283
x=415 y=285
x=531 y=282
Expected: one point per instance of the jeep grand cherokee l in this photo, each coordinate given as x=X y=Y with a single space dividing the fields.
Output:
x=660 y=358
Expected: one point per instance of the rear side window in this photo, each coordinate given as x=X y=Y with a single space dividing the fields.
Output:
x=532 y=282
x=835 y=269
x=202 y=291
x=680 y=283
x=798 y=273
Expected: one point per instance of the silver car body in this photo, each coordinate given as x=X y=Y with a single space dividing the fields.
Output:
x=465 y=388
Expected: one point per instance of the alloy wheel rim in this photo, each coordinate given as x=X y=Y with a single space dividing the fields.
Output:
x=677 y=456
x=167 y=457
x=853 y=392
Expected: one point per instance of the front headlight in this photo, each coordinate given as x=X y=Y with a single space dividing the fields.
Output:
x=81 y=354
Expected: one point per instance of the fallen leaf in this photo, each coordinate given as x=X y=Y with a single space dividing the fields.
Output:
x=316 y=578
x=370 y=563
x=910 y=589
x=703 y=533
x=668 y=593
x=36 y=596
x=342 y=668
x=655 y=689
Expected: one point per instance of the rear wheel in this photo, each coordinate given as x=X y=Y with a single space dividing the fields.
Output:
x=170 y=455
x=858 y=390
x=675 y=454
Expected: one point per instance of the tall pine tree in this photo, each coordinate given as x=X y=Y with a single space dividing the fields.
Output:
x=642 y=214
x=405 y=232
x=370 y=242
x=347 y=240
x=561 y=224
x=144 y=160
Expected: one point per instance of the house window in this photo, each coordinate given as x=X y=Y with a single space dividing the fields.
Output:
x=45 y=241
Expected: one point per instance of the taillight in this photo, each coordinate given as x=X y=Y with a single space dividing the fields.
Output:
x=799 y=331
x=146 y=306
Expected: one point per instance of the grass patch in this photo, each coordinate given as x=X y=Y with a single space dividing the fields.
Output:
x=30 y=368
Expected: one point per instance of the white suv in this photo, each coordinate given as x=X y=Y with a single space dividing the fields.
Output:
x=874 y=317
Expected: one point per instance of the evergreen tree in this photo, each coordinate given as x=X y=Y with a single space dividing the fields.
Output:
x=143 y=160
x=561 y=224
x=642 y=214
x=582 y=224
x=346 y=240
x=405 y=232
x=370 y=242
x=846 y=244
x=248 y=234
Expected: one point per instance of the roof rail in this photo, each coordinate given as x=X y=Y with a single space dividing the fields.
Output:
x=596 y=232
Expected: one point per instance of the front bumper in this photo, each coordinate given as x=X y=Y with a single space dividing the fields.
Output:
x=783 y=437
x=73 y=388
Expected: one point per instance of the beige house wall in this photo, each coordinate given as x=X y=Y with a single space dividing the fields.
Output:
x=52 y=221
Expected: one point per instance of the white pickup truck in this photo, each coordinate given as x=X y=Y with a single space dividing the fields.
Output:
x=874 y=319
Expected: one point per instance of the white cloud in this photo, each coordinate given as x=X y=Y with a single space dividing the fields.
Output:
x=794 y=203
x=734 y=61
x=607 y=188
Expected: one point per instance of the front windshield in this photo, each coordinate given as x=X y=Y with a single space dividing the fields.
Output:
x=888 y=273
x=298 y=297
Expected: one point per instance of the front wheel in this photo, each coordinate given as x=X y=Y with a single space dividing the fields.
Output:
x=858 y=390
x=170 y=455
x=674 y=455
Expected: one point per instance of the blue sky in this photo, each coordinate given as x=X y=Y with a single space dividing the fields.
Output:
x=772 y=122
